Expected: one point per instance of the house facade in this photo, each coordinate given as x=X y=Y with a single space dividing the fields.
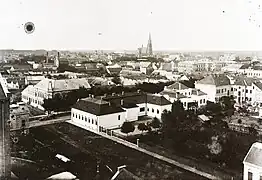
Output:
x=253 y=163
x=215 y=86
x=111 y=111
x=47 y=88
x=189 y=97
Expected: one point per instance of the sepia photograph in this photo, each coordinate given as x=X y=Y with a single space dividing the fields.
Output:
x=131 y=90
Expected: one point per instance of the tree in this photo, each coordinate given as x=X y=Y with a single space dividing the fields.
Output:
x=116 y=80
x=48 y=105
x=142 y=127
x=127 y=127
x=155 y=123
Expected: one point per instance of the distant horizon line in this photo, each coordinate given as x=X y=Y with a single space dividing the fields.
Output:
x=128 y=50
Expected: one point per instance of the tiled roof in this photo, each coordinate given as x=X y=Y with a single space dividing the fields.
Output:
x=244 y=81
x=125 y=175
x=97 y=107
x=132 y=97
x=63 y=84
x=254 y=155
x=217 y=80
x=114 y=70
x=198 y=92
x=172 y=94
x=157 y=100
x=177 y=86
x=258 y=84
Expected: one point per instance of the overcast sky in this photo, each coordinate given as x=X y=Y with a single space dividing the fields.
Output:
x=125 y=24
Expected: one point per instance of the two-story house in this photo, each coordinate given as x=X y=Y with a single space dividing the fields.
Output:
x=47 y=88
x=253 y=163
x=215 y=86
x=188 y=96
x=111 y=111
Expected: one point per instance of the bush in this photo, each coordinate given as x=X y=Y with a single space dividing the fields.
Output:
x=127 y=127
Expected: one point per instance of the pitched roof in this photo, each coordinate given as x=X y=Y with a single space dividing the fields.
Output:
x=172 y=94
x=215 y=79
x=258 y=84
x=244 y=81
x=198 y=92
x=63 y=84
x=157 y=100
x=254 y=155
x=130 y=97
x=177 y=86
x=123 y=174
x=63 y=176
x=97 y=107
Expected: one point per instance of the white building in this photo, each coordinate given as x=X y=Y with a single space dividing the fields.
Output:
x=111 y=111
x=47 y=88
x=243 y=90
x=215 y=86
x=188 y=96
x=257 y=94
x=253 y=163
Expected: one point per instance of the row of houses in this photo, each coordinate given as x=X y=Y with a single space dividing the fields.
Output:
x=111 y=111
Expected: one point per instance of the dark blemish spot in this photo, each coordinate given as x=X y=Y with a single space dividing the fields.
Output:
x=29 y=27
x=223 y=11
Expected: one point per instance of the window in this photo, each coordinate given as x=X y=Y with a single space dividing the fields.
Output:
x=218 y=90
x=152 y=110
x=184 y=103
x=142 y=109
x=250 y=91
x=239 y=87
x=232 y=89
x=246 y=91
x=147 y=109
x=250 y=175
x=82 y=117
x=96 y=122
x=88 y=120
x=119 y=117
x=250 y=99
x=204 y=101
x=253 y=87
x=85 y=119
x=200 y=101
x=222 y=90
x=73 y=114
x=23 y=123
x=92 y=121
x=157 y=111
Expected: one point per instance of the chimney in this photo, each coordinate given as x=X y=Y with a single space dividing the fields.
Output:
x=109 y=103
x=122 y=102
x=138 y=91
x=113 y=94
x=123 y=93
x=90 y=95
x=93 y=96
x=179 y=86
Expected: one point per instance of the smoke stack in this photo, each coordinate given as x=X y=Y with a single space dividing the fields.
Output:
x=122 y=102
x=123 y=93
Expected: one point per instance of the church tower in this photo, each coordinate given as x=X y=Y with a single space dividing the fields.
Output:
x=149 y=50
x=5 y=155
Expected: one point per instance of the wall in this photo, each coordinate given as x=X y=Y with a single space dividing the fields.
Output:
x=156 y=110
x=256 y=96
x=132 y=114
x=257 y=171
x=210 y=90
x=106 y=121
x=87 y=119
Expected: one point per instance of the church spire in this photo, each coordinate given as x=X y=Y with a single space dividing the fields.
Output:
x=149 y=49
